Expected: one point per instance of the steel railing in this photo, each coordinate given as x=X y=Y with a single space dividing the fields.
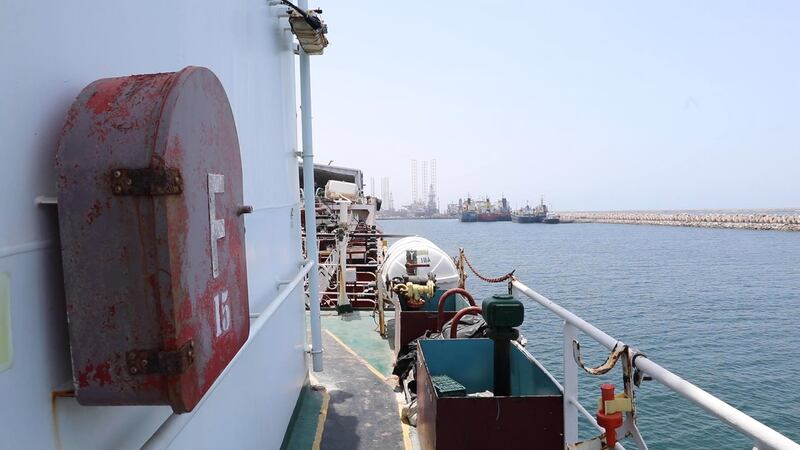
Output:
x=763 y=437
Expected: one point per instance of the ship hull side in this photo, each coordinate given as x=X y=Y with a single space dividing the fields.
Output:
x=82 y=42
x=469 y=216
x=526 y=219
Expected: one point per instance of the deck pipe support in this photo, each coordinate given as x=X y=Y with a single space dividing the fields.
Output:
x=312 y=250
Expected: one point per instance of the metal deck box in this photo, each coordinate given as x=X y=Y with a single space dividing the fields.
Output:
x=532 y=417
x=413 y=324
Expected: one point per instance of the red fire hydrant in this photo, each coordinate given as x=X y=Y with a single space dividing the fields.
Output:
x=610 y=421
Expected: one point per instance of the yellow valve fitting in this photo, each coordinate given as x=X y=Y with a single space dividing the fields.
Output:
x=414 y=292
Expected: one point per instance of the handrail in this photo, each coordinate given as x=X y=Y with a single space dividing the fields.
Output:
x=169 y=430
x=591 y=330
x=26 y=247
x=762 y=435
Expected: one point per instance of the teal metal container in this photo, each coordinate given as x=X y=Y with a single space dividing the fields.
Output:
x=531 y=417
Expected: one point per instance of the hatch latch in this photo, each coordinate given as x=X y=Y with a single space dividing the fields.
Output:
x=147 y=181
x=173 y=362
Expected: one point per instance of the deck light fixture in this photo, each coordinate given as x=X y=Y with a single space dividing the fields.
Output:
x=309 y=28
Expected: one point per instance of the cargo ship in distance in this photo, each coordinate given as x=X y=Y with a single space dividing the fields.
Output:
x=552 y=219
x=537 y=214
x=468 y=211
x=484 y=210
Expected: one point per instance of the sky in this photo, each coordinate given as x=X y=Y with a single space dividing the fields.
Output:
x=594 y=105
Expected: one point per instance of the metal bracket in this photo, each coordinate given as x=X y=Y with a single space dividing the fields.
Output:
x=147 y=181
x=621 y=403
x=46 y=200
x=173 y=362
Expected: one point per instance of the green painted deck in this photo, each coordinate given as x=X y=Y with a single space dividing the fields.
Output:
x=302 y=430
x=361 y=409
x=359 y=331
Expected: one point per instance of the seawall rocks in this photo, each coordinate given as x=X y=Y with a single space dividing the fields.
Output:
x=778 y=222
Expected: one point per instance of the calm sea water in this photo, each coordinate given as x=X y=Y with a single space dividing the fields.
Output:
x=717 y=307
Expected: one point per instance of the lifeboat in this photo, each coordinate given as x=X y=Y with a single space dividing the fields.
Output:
x=414 y=275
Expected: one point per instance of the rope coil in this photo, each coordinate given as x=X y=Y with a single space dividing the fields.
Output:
x=618 y=350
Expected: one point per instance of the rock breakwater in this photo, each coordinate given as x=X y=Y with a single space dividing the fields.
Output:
x=779 y=222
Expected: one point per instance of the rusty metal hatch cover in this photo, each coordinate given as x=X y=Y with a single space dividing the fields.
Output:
x=150 y=183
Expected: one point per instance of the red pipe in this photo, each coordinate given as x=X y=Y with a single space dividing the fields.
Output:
x=445 y=296
x=476 y=310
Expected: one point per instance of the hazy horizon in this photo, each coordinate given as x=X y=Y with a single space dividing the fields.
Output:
x=634 y=106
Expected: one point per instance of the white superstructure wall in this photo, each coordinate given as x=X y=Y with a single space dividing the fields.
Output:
x=50 y=50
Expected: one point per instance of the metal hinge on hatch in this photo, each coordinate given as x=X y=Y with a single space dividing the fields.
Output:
x=173 y=362
x=146 y=181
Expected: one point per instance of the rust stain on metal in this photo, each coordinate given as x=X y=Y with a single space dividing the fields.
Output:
x=62 y=393
x=94 y=374
x=102 y=100
x=101 y=374
x=94 y=212
x=54 y=396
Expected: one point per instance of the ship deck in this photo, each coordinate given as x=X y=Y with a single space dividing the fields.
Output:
x=354 y=403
